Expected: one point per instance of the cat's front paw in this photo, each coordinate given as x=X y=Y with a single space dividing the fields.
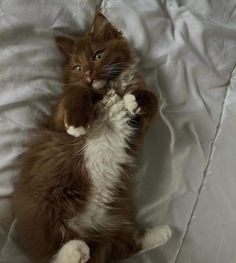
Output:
x=76 y=131
x=131 y=104
x=142 y=102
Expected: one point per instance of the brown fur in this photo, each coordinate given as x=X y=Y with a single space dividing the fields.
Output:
x=54 y=183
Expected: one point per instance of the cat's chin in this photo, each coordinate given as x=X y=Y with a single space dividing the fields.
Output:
x=99 y=84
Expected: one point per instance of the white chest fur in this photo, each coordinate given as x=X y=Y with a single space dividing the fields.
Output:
x=105 y=152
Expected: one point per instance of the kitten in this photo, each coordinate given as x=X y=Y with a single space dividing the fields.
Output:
x=73 y=199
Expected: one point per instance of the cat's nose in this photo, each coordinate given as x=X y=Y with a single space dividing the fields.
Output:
x=88 y=76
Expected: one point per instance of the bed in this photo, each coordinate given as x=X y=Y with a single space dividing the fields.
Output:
x=187 y=171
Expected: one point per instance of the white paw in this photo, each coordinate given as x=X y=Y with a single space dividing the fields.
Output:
x=110 y=99
x=111 y=93
x=113 y=99
x=131 y=104
x=74 y=251
x=76 y=132
x=118 y=112
x=155 y=237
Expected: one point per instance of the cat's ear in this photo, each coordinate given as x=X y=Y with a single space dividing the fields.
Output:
x=65 y=45
x=103 y=29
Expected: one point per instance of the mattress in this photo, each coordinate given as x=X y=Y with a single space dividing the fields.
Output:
x=186 y=176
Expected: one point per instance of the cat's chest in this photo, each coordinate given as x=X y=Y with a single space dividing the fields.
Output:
x=105 y=153
x=106 y=148
x=106 y=145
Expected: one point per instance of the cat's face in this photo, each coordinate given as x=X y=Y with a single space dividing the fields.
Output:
x=101 y=56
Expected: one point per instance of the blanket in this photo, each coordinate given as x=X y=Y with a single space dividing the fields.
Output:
x=187 y=49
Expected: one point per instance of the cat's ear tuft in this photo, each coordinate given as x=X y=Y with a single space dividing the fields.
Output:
x=65 y=45
x=103 y=29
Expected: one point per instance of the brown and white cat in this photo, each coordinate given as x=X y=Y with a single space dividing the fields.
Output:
x=73 y=199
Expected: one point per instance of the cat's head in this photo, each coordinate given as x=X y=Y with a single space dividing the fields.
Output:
x=99 y=57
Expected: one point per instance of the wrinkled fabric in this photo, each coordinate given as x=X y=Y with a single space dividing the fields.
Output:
x=187 y=170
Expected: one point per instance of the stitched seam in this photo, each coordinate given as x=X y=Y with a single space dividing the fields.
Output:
x=206 y=169
x=7 y=238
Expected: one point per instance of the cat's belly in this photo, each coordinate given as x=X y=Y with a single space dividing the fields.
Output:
x=105 y=153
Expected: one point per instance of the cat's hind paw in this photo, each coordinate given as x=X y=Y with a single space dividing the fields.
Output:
x=76 y=131
x=74 y=251
x=155 y=237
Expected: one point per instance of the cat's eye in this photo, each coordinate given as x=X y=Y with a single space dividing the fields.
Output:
x=98 y=55
x=77 y=68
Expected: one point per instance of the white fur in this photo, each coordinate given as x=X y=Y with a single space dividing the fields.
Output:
x=76 y=132
x=105 y=152
x=131 y=104
x=74 y=251
x=99 y=84
x=155 y=237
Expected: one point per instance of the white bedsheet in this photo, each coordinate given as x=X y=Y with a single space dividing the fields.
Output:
x=188 y=55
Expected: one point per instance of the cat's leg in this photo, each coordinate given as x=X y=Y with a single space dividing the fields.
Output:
x=74 y=251
x=155 y=237
x=139 y=243
x=69 y=117
x=75 y=111
x=79 y=110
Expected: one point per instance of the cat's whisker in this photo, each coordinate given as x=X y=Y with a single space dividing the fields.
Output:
x=114 y=67
x=72 y=83
x=112 y=74
x=114 y=70
x=111 y=63
x=109 y=76
x=117 y=65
